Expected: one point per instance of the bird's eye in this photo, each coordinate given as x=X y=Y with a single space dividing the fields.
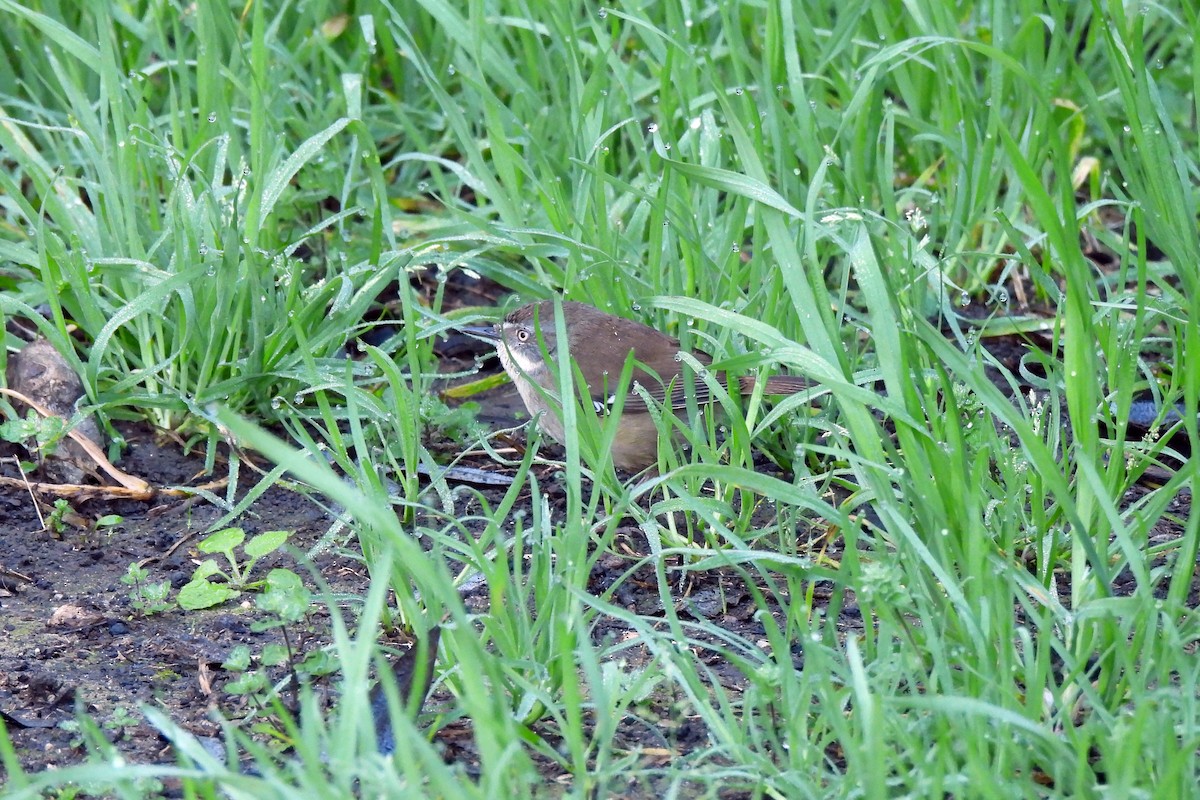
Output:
x=522 y=335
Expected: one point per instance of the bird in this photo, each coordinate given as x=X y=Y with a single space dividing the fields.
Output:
x=599 y=344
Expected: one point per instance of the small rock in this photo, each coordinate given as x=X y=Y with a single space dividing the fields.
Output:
x=40 y=373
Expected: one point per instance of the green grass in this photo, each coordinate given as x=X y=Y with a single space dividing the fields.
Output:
x=212 y=197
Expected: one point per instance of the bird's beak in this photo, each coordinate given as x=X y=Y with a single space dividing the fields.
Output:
x=491 y=334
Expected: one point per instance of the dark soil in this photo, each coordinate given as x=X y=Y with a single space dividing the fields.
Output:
x=71 y=641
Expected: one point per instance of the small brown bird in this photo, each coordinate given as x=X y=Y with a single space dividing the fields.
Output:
x=599 y=344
